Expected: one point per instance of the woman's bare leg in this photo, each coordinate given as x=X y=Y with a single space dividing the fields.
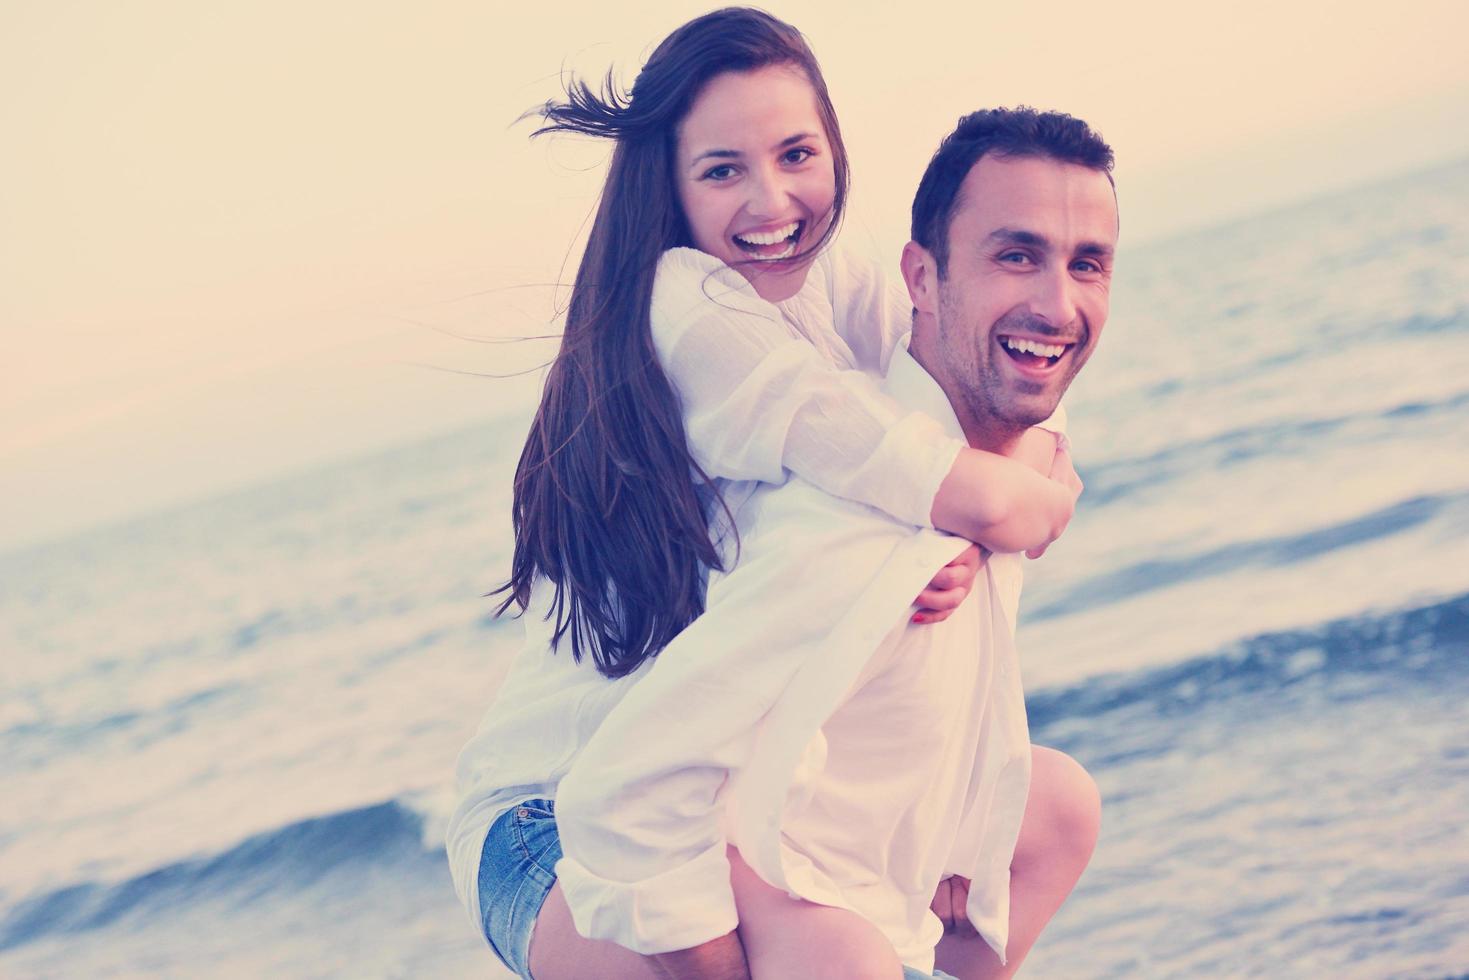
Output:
x=787 y=937
x=782 y=937
x=559 y=952
x=1057 y=836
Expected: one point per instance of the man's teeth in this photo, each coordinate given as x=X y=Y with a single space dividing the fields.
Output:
x=1034 y=347
x=769 y=237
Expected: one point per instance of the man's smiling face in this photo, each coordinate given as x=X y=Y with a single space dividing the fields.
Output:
x=1025 y=294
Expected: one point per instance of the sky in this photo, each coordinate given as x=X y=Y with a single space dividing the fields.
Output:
x=240 y=239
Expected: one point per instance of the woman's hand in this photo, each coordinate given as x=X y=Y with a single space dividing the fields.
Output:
x=950 y=904
x=1061 y=472
x=938 y=601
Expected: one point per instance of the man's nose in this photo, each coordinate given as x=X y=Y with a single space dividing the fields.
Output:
x=1053 y=299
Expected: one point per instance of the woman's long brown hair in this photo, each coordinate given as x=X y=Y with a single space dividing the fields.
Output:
x=610 y=508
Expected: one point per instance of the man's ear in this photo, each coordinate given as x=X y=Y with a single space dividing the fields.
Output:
x=921 y=275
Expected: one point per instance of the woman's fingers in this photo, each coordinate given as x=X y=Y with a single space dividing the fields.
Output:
x=941 y=600
x=1064 y=473
x=959 y=899
x=949 y=587
x=971 y=558
x=951 y=577
x=949 y=904
x=960 y=572
x=943 y=905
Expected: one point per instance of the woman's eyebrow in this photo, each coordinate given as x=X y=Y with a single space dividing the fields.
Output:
x=793 y=140
x=716 y=154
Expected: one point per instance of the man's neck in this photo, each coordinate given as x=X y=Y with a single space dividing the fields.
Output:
x=985 y=433
x=981 y=430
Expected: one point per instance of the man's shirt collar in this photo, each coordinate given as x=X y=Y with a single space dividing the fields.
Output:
x=913 y=387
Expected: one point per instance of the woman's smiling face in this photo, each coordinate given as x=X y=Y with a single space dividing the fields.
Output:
x=755 y=176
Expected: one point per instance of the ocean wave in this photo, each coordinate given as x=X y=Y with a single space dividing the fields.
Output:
x=1117 y=478
x=1158 y=573
x=36 y=740
x=1417 y=645
x=287 y=858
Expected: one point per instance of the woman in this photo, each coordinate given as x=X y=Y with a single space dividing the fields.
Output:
x=740 y=342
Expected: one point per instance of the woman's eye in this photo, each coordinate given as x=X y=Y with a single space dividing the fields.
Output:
x=798 y=155
x=722 y=172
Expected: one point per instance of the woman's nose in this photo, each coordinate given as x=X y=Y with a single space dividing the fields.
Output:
x=769 y=195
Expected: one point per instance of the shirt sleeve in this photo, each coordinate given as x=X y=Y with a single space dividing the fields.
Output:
x=758 y=399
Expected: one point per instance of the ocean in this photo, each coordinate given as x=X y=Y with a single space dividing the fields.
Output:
x=227 y=732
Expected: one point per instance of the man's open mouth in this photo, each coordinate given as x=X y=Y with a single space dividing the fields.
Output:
x=1033 y=354
x=771 y=246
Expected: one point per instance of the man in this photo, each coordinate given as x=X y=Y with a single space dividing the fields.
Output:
x=803 y=762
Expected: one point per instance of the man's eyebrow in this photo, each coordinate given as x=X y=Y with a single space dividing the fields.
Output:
x=1017 y=236
x=1094 y=250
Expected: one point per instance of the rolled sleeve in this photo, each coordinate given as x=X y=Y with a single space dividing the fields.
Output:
x=759 y=400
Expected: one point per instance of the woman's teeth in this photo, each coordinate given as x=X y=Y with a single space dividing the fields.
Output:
x=769 y=237
x=759 y=243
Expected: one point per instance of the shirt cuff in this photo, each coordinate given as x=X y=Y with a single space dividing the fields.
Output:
x=678 y=909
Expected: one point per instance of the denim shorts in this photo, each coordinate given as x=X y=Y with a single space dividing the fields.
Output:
x=517 y=870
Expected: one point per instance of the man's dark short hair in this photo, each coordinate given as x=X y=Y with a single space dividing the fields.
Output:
x=1020 y=132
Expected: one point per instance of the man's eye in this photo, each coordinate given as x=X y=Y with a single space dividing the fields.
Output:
x=1018 y=258
x=1086 y=265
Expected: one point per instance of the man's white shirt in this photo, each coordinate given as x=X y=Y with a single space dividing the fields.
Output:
x=853 y=758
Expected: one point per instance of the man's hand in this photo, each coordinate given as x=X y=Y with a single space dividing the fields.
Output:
x=949 y=905
x=718 y=959
x=943 y=595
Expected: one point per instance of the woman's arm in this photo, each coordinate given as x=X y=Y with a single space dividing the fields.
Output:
x=759 y=400
x=1008 y=507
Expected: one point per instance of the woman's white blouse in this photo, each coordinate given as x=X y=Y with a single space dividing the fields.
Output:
x=765 y=388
